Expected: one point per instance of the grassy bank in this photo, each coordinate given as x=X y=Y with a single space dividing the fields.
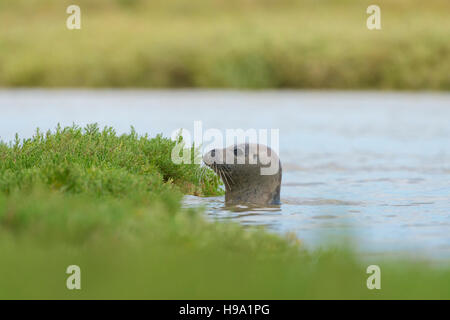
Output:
x=111 y=205
x=226 y=44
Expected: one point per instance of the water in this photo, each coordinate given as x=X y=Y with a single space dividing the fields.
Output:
x=369 y=168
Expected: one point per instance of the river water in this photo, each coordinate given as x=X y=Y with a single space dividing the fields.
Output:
x=368 y=169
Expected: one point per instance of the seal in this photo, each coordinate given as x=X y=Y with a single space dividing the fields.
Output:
x=250 y=172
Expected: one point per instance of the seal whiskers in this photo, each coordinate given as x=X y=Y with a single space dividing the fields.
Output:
x=227 y=171
x=221 y=174
x=224 y=178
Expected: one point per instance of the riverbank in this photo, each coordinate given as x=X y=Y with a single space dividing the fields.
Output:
x=111 y=205
x=226 y=44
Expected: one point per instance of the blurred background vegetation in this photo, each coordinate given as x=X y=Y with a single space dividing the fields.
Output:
x=225 y=44
x=112 y=204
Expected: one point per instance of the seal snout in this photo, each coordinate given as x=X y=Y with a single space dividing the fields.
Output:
x=210 y=158
x=212 y=154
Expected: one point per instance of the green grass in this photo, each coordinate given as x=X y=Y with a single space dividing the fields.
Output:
x=111 y=204
x=99 y=162
x=226 y=44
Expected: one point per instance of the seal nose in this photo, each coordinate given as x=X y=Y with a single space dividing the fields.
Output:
x=208 y=158
x=213 y=154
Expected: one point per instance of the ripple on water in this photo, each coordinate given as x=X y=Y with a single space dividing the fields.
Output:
x=325 y=217
x=319 y=202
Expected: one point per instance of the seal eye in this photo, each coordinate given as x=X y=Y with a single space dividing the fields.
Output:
x=213 y=153
x=237 y=152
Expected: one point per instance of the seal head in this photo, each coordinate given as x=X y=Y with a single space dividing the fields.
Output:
x=251 y=173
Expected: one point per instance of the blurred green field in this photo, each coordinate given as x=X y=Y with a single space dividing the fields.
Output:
x=226 y=44
x=112 y=205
